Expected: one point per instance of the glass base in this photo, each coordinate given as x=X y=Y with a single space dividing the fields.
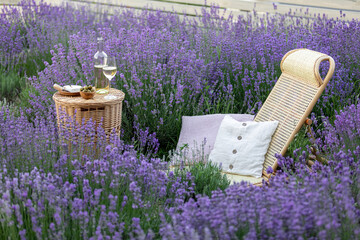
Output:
x=102 y=91
x=110 y=97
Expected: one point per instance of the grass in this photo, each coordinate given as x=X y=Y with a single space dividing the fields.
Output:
x=11 y=84
x=207 y=177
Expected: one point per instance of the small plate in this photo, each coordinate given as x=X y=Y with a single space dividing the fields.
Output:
x=65 y=93
x=69 y=93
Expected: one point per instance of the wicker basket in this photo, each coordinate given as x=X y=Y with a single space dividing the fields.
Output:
x=98 y=109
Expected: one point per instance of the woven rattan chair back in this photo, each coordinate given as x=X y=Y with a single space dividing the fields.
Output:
x=292 y=98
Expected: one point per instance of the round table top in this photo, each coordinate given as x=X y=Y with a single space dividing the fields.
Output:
x=98 y=99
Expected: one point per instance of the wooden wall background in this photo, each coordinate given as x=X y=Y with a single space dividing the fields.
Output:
x=351 y=8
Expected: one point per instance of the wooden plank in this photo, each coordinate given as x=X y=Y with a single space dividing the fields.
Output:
x=111 y=5
x=15 y=2
x=282 y=8
x=193 y=2
x=227 y=7
x=329 y=4
x=113 y=10
x=6 y=3
x=143 y=4
x=326 y=4
x=264 y=6
x=9 y=2
x=188 y=18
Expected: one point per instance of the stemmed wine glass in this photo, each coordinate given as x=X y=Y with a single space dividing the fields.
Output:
x=109 y=71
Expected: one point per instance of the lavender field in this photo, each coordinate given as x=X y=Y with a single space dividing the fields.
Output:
x=169 y=67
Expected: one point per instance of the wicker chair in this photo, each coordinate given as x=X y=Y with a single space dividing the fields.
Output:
x=290 y=102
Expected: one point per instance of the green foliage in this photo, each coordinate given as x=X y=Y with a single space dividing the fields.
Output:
x=24 y=96
x=301 y=141
x=8 y=105
x=10 y=84
x=207 y=177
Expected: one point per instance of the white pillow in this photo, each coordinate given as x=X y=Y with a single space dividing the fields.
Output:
x=240 y=147
x=198 y=133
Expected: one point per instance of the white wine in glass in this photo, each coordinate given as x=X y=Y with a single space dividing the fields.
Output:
x=109 y=71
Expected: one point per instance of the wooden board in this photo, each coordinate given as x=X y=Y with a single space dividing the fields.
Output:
x=330 y=8
x=111 y=6
x=9 y=2
x=326 y=4
x=69 y=93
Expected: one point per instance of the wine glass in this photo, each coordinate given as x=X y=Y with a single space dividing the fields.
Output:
x=109 y=71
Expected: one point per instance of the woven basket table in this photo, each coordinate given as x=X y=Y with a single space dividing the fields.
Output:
x=97 y=109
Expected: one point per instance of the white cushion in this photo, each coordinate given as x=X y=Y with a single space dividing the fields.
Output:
x=240 y=147
x=243 y=178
